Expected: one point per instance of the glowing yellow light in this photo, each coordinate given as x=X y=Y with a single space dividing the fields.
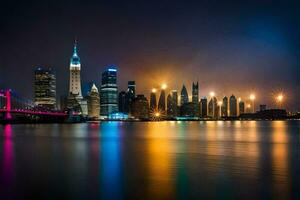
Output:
x=279 y=98
x=252 y=97
x=220 y=103
x=164 y=86
x=248 y=106
x=239 y=99
x=212 y=94
x=157 y=114
x=154 y=90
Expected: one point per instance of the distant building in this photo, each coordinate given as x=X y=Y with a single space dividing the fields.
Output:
x=175 y=102
x=203 y=108
x=45 y=88
x=184 y=97
x=162 y=101
x=262 y=107
x=122 y=102
x=213 y=108
x=93 y=101
x=169 y=106
x=195 y=93
x=140 y=107
x=189 y=110
x=241 y=107
x=224 y=107
x=153 y=103
x=233 y=106
x=130 y=95
x=109 y=93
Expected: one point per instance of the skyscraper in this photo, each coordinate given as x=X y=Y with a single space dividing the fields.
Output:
x=184 y=97
x=130 y=95
x=169 y=106
x=153 y=103
x=109 y=93
x=75 y=68
x=175 y=103
x=203 y=108
x=224 y=107
x=93 y=101
x=122 y=102
x=195 y=93
x=140 y=107
x=75 y=93
x=162 y=101
x=241 y=107
x=232 y=106
x=45 y=88
x=213 y=108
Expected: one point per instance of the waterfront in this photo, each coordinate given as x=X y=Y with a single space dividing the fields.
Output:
x=151 y=160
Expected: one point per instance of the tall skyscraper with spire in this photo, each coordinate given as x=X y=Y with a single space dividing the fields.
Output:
x=75 y=69
x=75 y=94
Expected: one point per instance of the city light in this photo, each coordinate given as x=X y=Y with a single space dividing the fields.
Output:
x=220 y=103
x=252 y=97
x=154 y=90
x=239 y=99
x=212 y=94
x=279 y=98
x=164 y=86
x=157 y=114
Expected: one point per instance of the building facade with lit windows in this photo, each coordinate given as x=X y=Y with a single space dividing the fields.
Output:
x=232 y=106
x=93 y=101
x=75 y=83
x=109 y=93
x=45 y=88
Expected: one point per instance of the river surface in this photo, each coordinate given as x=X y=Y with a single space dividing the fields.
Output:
x=151 y=160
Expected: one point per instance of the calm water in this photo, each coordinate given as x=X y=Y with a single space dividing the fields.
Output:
x=151 y=160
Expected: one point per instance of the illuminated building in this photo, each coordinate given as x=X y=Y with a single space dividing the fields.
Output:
x=45 y=88
x=232 y=106
x=75 y=68
x=184 y=97
x=162 y=101
x=241 y=107
x=169 y=106
x=118 y=116
x=224 y=107
x=213 y=108
x=140 y=107
x=93 y=101
x=195 y=93
x=153 y=103
x=122 y=102
x=203 y=107
x=75 y=84
x=109 y=93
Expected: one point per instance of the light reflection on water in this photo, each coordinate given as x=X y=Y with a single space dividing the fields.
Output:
x=151 y=160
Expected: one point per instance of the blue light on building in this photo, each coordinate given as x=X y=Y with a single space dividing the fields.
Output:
x=118 y=116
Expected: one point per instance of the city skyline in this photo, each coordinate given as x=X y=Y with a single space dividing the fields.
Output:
x=231 y=55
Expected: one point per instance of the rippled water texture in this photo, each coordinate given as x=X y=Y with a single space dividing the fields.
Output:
x=151 y=160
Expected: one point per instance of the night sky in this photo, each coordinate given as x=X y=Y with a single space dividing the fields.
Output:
x=228 y=46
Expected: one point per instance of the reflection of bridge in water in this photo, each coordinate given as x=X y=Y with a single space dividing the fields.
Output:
x=14 y=108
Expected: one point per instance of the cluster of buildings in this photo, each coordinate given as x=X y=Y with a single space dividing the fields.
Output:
x=106 y=102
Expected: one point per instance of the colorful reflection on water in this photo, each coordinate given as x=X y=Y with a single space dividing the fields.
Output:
x=151 y=160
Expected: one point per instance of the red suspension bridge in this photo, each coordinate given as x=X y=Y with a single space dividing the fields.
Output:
x=12 y=105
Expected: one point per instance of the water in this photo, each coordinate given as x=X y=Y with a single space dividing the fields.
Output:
x=151 y=160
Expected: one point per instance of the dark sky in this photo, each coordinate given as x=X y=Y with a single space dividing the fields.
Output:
x=228 y=46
